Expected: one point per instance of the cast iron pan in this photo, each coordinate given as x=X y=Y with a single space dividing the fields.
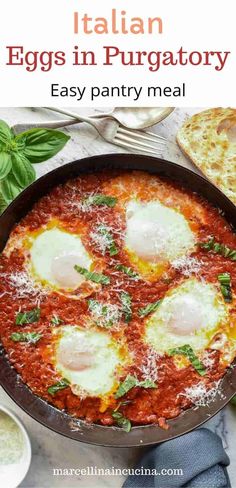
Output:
x=48 y=415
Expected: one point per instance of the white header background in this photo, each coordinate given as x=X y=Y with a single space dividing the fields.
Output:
x=45 y=25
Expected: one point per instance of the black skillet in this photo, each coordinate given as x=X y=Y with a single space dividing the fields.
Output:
x=36 y=407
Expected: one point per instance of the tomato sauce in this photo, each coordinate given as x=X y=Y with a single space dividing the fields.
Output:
x=33 y=361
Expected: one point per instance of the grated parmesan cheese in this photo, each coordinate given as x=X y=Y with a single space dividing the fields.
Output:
x=200 y=395
x=148 y=368
x=187 y=265
x=207 y=359
x=106 y=314
x=11 y=440
x=102 y=239
x=24 y=285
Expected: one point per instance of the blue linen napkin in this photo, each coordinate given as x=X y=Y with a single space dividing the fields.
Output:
x=200 y=455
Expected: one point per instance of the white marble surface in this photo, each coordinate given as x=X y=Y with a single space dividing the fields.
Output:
x=51 y=450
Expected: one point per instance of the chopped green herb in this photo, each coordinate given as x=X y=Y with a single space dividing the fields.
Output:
x=130 y=382
x=224 y=278
x=126 y=305
x=151 y=307
x=218 y=248
x=122 y=421
x=101 y=200
x=225 y=286
x=128 y=271
x=233 y=401
x=95 y=277
x=187 y=351
x=60 y=385
x=31 y=337
x=147 y=384
x=110 y=243
x=28 y=317
x=55 y=320
x=125 y=386
x=123 y=403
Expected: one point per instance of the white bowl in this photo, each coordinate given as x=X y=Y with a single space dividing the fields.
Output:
x=11 y=475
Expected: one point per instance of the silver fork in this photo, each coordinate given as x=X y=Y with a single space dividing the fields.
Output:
x=113 y=132
x=109 y=129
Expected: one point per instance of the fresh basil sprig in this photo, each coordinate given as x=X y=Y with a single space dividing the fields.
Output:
x=28 y=317
x=130 y=382
x=19 y=152
x=187 y=351
x=39 y=145
x=6 y=164
x=60 y=385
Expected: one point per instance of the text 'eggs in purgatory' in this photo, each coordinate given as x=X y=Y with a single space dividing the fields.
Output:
x=190 y=314
x=53 y=254
x=88 y=359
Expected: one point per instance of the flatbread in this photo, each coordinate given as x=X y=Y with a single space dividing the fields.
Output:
x=209 y=140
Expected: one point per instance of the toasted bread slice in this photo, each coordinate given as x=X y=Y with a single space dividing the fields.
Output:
x=209 y=140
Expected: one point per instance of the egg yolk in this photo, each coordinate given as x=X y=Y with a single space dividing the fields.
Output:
x=74 y=355
x=63 y=271
x=185 y=315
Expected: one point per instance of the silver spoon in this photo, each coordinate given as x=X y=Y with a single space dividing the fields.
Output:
x=130 y=117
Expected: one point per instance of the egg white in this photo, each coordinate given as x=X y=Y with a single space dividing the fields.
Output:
x=191 y=313
x=53 y=255
x=156 y=234
x=89 y=359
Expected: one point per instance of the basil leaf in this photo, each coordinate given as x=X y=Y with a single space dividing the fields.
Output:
x=60 y=385
x=233 y=401
x=28 y=317
x=151 y=307
x=226 y=292
x=3 y=204
x=122 y=421
x=187 y=351
x=38 y=145
x=95 y=277
x=130 y=382
x=10 y=188
x=5 y=164
x=218 y=248
x=55 y=320
x=31 y=337
x=22 y=169
x=128 y=271
x=147 y=384
x=6 y=134
x=100 y=200
x=125 y=386
x=225 y=286
x=126 y=306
